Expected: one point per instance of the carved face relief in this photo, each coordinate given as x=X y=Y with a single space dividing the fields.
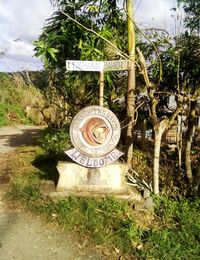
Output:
x=95 y=131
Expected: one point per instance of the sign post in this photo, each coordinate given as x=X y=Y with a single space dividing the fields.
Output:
x=94 y=132
x=101 y=88
x=98 y=66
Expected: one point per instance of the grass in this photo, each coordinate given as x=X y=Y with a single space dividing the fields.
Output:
x=174 y=232
x=178 y=234
x=105 y=221
x=11 y=114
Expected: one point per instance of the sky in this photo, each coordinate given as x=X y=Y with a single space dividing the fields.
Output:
x=21 y=23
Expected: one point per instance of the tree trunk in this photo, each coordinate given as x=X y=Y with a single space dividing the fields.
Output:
x=189 y=138
x=143 y=133
x=131 y=82
x=196 y=182
x=158 y=132
x=188 y=167
x=179 y=141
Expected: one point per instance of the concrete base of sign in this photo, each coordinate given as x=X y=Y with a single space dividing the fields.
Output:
x=107 y=180
x=133 y=195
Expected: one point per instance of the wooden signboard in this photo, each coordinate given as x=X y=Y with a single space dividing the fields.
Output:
x=83 y=65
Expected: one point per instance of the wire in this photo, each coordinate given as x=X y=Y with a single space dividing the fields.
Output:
x=138 y=6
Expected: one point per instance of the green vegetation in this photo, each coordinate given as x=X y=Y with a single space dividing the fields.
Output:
x=178 y=233
x=165 y=68
x=16 y=92
x=106 y=222
x=11 y=114
x=62 y=39
x=111 y=223
x=54 y=143
x=170 y=232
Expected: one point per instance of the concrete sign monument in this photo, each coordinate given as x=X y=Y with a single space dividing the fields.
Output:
x=94 y=132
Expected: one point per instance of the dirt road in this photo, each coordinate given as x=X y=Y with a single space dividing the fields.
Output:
x=24 y=236
x=12 y=137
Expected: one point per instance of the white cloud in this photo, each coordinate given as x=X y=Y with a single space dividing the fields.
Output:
x=11 y=63
x=21 y=22
x=25 y=19
x=154 y=13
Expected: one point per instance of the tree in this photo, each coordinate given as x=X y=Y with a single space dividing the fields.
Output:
x=95 y=30
x=160 y=124
x=77 y=31
x=192 y=11
x=164 y=75
x=191 y=52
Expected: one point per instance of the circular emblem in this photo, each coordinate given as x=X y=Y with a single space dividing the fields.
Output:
x=95 y=131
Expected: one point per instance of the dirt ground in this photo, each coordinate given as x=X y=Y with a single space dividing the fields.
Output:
x=12 y=137
x=24 y=236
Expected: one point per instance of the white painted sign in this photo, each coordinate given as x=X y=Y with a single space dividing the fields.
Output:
x=83 y=65
x=116 y=65
x=93 y=162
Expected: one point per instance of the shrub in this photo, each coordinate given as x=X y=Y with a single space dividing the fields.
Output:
x=55 y=142
x=14 y=90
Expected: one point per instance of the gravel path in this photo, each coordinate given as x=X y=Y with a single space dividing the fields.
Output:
x=27 y=237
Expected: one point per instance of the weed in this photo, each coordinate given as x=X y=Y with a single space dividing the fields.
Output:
x=109 y=222
x=25 y=192
x=105 y=221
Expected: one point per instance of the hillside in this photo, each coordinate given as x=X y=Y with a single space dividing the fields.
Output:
x=17 y=91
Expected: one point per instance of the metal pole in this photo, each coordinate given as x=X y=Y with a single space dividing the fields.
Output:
x=101 y=88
